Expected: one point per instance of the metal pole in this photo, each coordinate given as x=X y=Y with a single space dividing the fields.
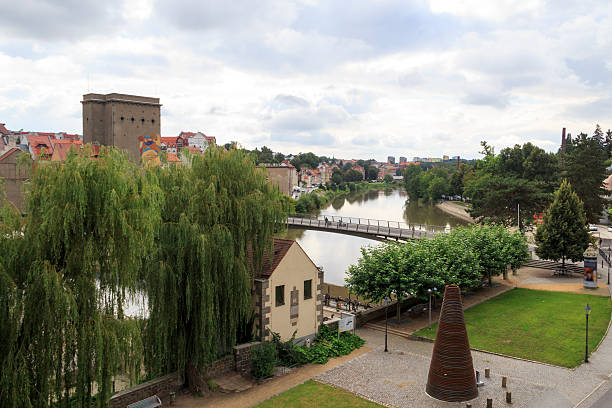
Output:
x=518 y=215
x=429 y=310
x=586 y=346
x=386 y=308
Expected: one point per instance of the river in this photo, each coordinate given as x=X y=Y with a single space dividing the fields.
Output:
x=336 y=252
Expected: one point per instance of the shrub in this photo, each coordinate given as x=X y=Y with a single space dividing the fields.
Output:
x=264 y=360
x=289 y=354
x=212 y=385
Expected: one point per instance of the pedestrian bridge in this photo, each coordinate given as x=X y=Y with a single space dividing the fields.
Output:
x=380 y=230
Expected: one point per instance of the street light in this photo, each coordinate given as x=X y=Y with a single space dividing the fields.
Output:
x=386 y=308
x=430 y=292
x=609 y=259
x=587 y=312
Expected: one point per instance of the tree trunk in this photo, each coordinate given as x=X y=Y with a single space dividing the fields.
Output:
x=563 y=264
x=399 y=310
x=506 y=273
x=490 y=281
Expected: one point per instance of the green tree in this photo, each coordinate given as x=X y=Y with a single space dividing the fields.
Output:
x=413 y=176
x=217 y=213
x=388 y=178
x=66 y=271
x=585 y=169
x=564 y=233
x=372 y=173
x=437 y=188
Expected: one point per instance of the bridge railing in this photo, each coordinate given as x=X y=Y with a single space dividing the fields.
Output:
x=396 y=229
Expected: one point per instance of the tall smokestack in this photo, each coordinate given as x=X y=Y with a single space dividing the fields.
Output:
x=458 y=161
x=563 y=141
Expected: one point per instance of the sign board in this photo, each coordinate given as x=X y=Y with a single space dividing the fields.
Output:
x=590 y=272
x=347 y=323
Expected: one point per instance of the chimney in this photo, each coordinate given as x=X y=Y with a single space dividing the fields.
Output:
x=563 y=141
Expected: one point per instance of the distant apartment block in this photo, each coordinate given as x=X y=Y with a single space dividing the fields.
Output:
x=402 y=159
x=284 y=175
x=119 y=120
x=391 y=159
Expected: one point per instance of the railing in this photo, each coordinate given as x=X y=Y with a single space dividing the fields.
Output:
x=395 y=229
x=605 y=256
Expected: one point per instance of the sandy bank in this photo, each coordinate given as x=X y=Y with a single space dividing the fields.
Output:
x=455 y=210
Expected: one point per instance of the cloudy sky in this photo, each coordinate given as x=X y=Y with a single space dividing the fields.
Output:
x=348 y=78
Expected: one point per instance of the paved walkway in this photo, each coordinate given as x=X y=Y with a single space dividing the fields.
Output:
x=267 y=390
x=398 y=378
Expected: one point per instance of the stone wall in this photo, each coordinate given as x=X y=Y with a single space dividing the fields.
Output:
x=162 y=387
x=243 y=355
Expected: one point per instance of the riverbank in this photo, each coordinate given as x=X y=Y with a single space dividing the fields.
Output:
x=455 y=210
x=309 y=203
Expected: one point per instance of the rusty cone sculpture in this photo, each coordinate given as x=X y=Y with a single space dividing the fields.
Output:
x=451 y=373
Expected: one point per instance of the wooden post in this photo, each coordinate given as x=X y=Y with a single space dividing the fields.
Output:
x=509 y=397
x=487 y=373
x=504 y=382
x=489 y=402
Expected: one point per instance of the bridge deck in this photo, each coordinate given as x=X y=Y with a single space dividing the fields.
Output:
x=365 y=228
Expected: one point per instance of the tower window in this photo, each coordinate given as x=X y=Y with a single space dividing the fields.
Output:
x=122 y=118
x=152 y=120
x=132 y=119
x=142 y=120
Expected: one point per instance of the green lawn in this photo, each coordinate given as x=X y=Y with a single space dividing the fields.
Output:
x=536 y=325
x=313 y=394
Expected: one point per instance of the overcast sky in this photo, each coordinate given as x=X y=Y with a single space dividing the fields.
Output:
x=344 y=78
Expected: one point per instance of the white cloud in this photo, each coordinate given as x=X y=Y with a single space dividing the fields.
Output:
x=350 y=79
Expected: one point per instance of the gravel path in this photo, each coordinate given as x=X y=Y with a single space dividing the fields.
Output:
x=398 y=378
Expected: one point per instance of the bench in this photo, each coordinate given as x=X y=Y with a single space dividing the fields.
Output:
x=417 y=310
x=150 y=402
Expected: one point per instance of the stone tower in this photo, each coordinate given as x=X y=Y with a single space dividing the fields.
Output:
x=451 y=373
x=118 y=120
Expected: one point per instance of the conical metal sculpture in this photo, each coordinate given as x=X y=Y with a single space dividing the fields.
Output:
x=451 y=373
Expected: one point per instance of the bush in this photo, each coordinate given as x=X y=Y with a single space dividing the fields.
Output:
x=264 y=359
x=289 y=354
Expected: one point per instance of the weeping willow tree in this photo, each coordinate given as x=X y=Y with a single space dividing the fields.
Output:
x=65 y=274
x=218 y=208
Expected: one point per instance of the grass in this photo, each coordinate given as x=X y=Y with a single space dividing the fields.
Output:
x=536 y=325
x=313 y=394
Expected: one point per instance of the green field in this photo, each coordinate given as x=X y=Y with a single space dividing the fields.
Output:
x=316 y=395
x=536 y=325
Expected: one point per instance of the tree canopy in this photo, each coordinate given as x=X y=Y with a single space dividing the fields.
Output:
x=463 y=258
x=188 y=239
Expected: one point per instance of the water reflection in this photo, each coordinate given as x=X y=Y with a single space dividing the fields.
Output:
x=335 y=252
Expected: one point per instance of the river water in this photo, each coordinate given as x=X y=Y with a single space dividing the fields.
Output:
x=336 y=252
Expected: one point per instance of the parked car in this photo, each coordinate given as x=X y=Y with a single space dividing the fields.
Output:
x=592 y=227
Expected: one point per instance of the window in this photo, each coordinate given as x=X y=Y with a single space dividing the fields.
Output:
x=152 y=120
x=307 y=289
x=122 y=118
x=280 y=295
x=132 y=119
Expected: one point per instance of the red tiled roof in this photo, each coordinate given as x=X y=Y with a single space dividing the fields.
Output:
x=62 y=149
x=67 y=142
x=186 y=134
x=69 y=136
x=38 y=143
x=168 y=140
x=171 y=157
x=281 y=247
x=3 y=130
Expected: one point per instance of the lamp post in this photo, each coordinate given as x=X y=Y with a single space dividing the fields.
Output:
x=587 y=312
x=386 y=308
x=609 y=259
x=430 y=293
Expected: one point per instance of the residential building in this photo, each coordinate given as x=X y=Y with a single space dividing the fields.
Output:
x=391 y=159
x=14 y=174
x=119 y=120
x=445 y=157
x=169 y=144
x=325 y=172
x=288 y=294
x=284 y=175
x=403 y=159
